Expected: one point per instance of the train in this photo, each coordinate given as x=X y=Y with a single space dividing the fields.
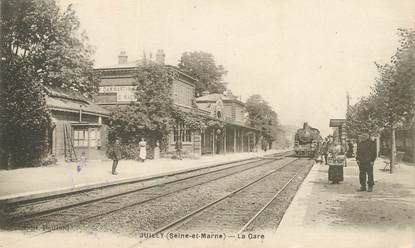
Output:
x=307 y=141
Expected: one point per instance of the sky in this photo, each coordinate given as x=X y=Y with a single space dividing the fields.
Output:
x=301 y=56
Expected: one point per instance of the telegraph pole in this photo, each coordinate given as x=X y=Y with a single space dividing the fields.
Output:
x=347 y=100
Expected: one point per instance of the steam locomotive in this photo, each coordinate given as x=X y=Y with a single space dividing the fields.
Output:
x=307 y=141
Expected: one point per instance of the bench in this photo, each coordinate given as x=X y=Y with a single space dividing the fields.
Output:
x=398 y=160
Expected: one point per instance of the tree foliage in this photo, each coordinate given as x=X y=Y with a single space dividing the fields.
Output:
x=37 y=35
x=394 y=91
x=261 y=116
x=391 y=104
x=151 y=116
x=191 y=120
x=361 y=118
x=202 y=66
x=41 y=46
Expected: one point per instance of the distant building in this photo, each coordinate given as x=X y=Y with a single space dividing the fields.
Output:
x=226 y=107
x=236 y=136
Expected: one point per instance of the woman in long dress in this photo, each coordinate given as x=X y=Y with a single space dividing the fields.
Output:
x=143 y=149
x=336 y=161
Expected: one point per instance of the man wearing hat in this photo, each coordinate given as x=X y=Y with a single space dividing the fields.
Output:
x=365 y=157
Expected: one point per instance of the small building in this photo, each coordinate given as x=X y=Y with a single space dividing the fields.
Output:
x=79 y=126
x=235 y=136
x=339 y=130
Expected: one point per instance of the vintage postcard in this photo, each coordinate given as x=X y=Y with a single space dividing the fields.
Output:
x=190 y=123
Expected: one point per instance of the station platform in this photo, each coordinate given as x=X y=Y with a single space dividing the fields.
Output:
x=336 y=215
x=29 y=183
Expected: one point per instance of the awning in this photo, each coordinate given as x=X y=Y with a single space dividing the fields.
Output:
x=69 y=105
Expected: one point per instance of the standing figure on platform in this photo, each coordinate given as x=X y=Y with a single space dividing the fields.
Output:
x=325 y=150
x=179 y=148
x=320 y=158
x=116 y=155
x=336 y=161
x=264 y=145
x=143 y=149
x=350 y=151
x=157 y=150
x=365 y=158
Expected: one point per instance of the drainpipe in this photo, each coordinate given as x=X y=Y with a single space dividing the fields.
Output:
x=80 y=113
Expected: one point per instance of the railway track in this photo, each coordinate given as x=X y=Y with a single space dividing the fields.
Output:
x=60 y=213
x=230 y=211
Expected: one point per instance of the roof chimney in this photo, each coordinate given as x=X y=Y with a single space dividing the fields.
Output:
x=160 y=56
x=122 y=58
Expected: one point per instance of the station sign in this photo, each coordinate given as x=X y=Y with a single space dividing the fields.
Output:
x=125 y=93
x=337 y=122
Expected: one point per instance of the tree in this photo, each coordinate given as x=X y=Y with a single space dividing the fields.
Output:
x=149 y=117
x=202 y=66
x=261 y=116
x=37 y=35
x=394 y=91
x=361 y=118
x=41 y=46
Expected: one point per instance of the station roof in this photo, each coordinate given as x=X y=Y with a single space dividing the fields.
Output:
x=135 y=64
x=67 y=101
x=216 y=96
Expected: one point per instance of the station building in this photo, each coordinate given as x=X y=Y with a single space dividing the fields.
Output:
x=235 y=136
x=79 y=126
x=117 y=89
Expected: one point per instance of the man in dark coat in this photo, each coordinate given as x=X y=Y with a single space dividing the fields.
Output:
x=365 y=157
x=116 y=156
